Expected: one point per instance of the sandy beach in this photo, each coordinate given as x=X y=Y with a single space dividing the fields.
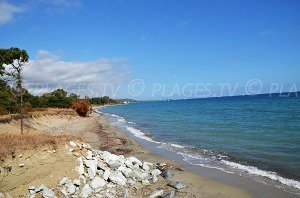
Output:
x=49 y=163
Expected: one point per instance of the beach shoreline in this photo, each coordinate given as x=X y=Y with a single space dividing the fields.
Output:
x=97 y=131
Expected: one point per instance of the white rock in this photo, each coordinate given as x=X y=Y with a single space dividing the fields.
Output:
x=91 y=173
x=48 y=193
x=63 y=181
x=86 y=191
x=21 y=165
x=145 y=182
x=154 y=179
x=64 y=192
x=134 y=161
x=31 y=190
x=40 y=188
x=80 y=168
x=117 y=178
x=100 y=172
x=76 y=182
x=71 y=188
x=147 y=166
x=106 y=174
x=72 y=143
x=138 y=175
x=131 y=182
x=156 y=172
x=102 y=165
x=104 y=154
x=89 y=155
x=126 y=171
x=92 y=170
x=111 y=157
x=114 y=164
x=87 y=146
x=97 y=182
x=83 y=179
x=20 y=156
x=156 y=193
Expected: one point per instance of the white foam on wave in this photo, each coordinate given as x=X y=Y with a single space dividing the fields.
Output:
x=201 y=161
x=271 y=175
x=139 y=134
x=172 y=145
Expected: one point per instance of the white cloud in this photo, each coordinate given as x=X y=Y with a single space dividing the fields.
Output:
x=7 y=12
x=93 y=78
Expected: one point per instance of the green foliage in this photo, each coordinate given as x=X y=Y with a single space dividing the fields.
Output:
x=14 y=57
x=8 y=100
x=103 y=101
x=56 y=99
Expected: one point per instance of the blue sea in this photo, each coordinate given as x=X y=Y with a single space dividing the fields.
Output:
x=257 y=135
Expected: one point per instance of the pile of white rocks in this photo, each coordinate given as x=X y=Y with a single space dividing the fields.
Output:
x=102 y=174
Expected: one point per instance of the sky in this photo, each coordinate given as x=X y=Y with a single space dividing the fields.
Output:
x=156 y=49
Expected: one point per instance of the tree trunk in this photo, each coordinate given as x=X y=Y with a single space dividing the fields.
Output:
x=21 y=112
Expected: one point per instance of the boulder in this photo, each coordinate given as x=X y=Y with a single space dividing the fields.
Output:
x=92 y=173
x=111 y=157
x=154 y=178
x=48 y=193
x=156 y=193
x=155 y=172
x=31 y=190
x=117 y=178
x=92 y=167
x=72 y=143
x=40 y=188
x=80 y=168
x=106 y=174
x=87 y=146
x=167 y=174
x=97 y=182
x=63 y=181
x=70 y=188
x=83 y=179
x=89 y=155
x=104 y=154
x=101 y=165
x=138 y=175
x=131 y=182
x=76 y=182
x=126 y=171
x=145 y=182
x=134 y=161
x=114 y=164
x=86 y=191
x=64 y=192
x=147 y=166
x=177 y=185
x=168 y=194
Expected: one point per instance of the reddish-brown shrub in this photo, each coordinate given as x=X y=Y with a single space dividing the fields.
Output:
x=81 y=107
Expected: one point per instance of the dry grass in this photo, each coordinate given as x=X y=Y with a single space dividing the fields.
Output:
x=12 y=143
